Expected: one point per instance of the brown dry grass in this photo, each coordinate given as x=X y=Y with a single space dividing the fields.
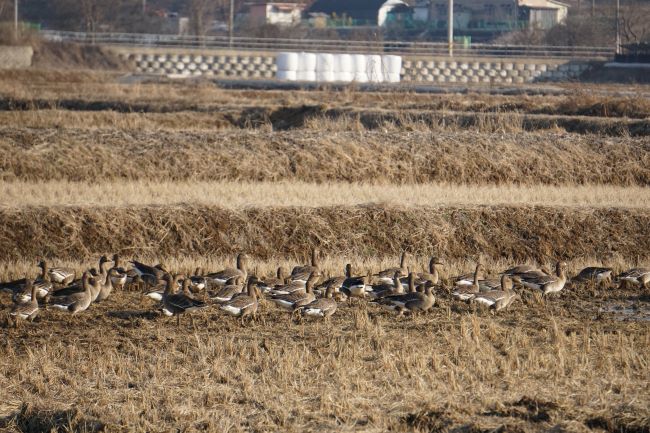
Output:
x=237 y=195
x=74 y=114
x=392 y=155
x=555 y=366
x=512 y=232
x=203 y=95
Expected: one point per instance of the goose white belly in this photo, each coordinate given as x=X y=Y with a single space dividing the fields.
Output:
x=156 y=296
x=285 y=305
x=358 y=290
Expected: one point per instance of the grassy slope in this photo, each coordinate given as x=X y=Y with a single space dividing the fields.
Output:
x=393 y=156
x=538 y=233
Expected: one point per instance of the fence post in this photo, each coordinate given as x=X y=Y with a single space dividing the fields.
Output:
x=450 y=27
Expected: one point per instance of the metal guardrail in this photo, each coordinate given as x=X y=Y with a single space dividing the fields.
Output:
x=333 y=46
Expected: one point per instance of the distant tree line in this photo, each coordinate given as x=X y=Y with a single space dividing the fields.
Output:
x=590 y=22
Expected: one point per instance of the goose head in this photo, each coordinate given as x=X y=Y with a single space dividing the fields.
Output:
x=435 y=261
x=242 y=261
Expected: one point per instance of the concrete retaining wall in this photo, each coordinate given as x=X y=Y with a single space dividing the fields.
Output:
x=487 y=70
x=261 y=65
x=15 y=57
x=222 y=64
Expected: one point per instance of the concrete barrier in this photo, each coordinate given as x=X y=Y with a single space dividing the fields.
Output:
x=261 y=65
x=15 y=57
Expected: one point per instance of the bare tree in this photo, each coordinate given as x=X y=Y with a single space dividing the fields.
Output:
x=91 y=12
x=201 y=13
x=5 y=7
x=634 y=24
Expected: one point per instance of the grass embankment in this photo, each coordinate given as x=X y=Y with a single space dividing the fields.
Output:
x=517 y=232
x=392 y=156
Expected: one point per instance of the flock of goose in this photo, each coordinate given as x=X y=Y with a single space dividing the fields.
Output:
x=303 y=292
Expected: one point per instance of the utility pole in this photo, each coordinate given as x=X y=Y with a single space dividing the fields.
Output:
x=618 y=24
x=450 y=27
x=593 y=7
x=144 y=7
x=16 y=20
x=231 y=23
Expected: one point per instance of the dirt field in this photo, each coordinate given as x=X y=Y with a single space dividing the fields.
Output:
x=188 y=174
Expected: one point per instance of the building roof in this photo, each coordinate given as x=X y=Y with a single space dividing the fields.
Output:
x=542 y=4
x=356 y=9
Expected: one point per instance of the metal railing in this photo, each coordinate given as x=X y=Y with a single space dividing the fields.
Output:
x=333 y=46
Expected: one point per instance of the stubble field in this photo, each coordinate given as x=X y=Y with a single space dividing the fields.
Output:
x=188 y=174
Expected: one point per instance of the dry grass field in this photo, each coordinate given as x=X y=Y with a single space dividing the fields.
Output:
x=189 y=174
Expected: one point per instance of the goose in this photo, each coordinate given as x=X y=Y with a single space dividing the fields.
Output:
x=20 y=292
x=106 y=285
x=17 y=287
x=323 y=307
x=467 y=292
x=520 y=269
x=383 y=290
x=290 y=287
x=546 y=283
x=223 y=276
x=433 y=276
x=413 y=301
x=197 y=281
x=356 y=286
x=594 y=274
x=41 y=288
x=493 y=284
x=271 y=283
x=232 y=288
x=498 y=299
x=291 y=301
x=175 y=304
x=26 y=310
x=157 y=291
x=142 y=270
x=636 y=276
x=119 y=279
x=243 y=305
x=386 y=276
x=335 y=282
x=58 y=275
x=75 y=302
x=103 y=280
x=302 y=273
x=470 y=278
x=386 y=301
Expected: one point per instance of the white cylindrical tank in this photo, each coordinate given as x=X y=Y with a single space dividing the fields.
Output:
x=324 y=62
x=287 y=61
x=360 y=63
x=306 y=76
x=374 y=69
x=307 y=62
x=286 y=75
x=391 y=65
x=343 y=63
x=325 y=76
